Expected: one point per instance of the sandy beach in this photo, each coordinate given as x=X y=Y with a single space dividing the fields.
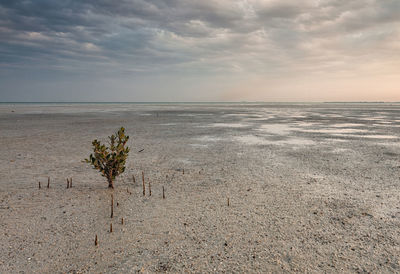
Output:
x=311 y=188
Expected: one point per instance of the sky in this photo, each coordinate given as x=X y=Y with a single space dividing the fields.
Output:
x=208 y=50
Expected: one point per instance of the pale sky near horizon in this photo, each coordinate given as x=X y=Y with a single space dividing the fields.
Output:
x=209 y=50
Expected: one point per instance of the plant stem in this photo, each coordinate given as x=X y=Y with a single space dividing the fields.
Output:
x=144 y=186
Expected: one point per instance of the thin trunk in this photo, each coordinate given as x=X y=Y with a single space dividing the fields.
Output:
x=110 y=183
x=110 y=180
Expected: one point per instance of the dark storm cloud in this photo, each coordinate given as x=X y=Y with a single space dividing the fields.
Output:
x=220 y=35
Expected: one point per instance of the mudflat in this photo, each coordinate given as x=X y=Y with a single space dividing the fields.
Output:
x=311 y=188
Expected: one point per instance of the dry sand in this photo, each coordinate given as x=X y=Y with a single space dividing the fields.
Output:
x=312 y=188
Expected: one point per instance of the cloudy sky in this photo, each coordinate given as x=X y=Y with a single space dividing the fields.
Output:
x=208 y=50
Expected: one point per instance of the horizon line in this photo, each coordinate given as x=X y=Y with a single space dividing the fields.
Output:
x=194 y=102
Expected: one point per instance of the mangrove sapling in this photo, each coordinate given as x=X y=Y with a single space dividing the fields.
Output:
x=110 y=161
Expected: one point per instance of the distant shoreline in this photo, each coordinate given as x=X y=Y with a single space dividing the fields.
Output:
x=200 y=103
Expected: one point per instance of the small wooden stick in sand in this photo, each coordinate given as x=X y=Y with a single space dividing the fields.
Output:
x=70 y=182
x=40 y=185
x=133 y=179
x=163 y=193
x=48 y=182
x=228 y=202
x=112 y=205
x=67 y=183
x=96 y=242
x=122 y=221
x=149 y=188
x=183 y=171
x=144 y=186
x=110 y=227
